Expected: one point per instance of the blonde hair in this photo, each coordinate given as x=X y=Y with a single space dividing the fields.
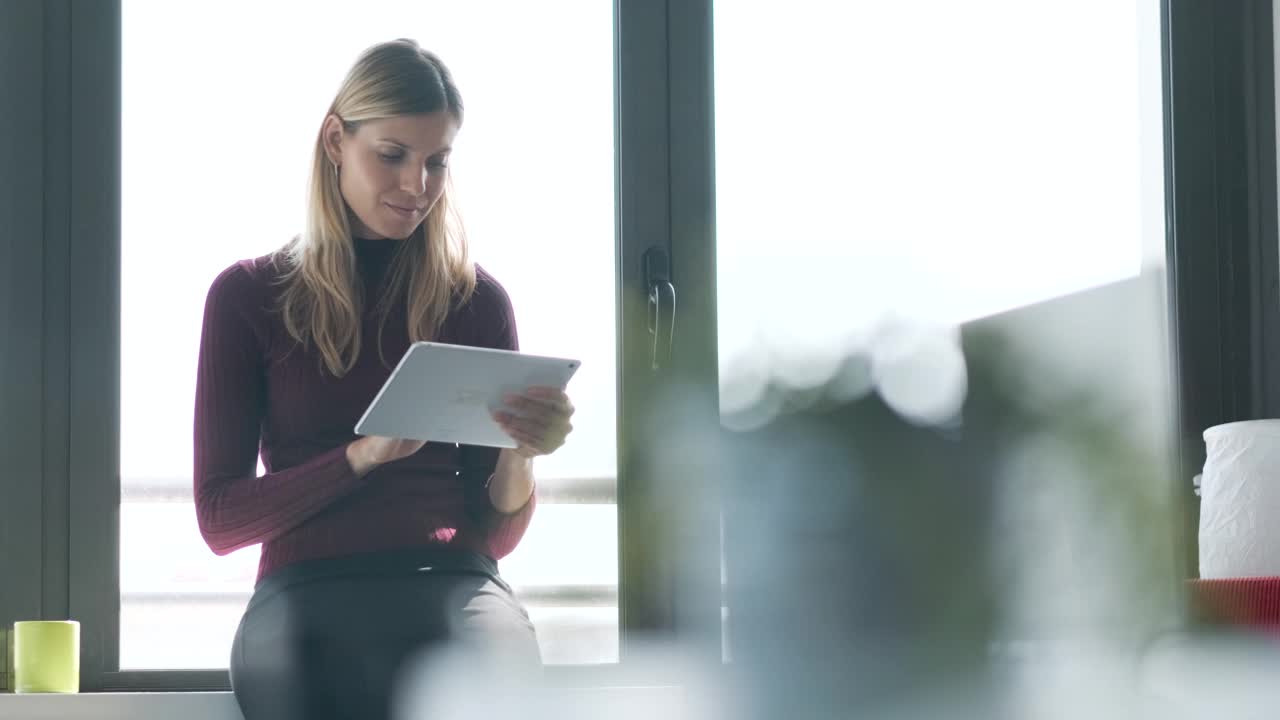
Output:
x=323 y=295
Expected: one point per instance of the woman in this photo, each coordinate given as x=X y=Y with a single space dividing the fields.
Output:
x=373 y=548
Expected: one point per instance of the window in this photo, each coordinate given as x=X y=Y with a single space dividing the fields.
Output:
x=216 y=145
x=63 y=418
x=930 y=163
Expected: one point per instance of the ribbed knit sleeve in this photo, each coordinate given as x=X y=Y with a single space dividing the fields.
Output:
x=491 y=314
x=235 y=507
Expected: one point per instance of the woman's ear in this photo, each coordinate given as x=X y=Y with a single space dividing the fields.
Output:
x=331 y=134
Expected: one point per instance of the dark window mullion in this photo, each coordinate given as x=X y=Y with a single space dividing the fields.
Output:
x=643 y=221
x=692 y=477
x=22 y=291
x=55 y=370
x=94 y=332
x=1224 y=263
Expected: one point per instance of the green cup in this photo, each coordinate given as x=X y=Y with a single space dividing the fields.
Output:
x=46 y=656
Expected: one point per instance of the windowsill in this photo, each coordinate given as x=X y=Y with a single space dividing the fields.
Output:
x=121 y=706
x=661 y=701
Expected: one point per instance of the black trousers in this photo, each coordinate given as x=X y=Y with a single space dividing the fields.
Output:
x=329 y=639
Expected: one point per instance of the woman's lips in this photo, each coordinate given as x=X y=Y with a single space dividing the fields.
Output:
x=405 y=212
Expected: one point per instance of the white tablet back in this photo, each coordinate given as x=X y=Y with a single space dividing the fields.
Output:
x=445 y=393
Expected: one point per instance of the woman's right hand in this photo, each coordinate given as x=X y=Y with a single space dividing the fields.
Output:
x=370 y=451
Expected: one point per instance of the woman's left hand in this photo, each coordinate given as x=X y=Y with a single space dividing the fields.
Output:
x=538 y=420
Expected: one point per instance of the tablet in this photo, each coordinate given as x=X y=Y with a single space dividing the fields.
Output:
x=445 y=393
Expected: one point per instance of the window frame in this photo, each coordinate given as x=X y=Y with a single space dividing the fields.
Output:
x=60 y=364
x=31 y=65
x=68 y=170
x=1223 y=249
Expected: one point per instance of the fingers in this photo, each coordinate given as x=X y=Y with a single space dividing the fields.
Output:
x=534 y=427
x=529 y=445
x=381 y=450
x=546 y=409
x=551 y=397
x=539 y=437
x=537 y=419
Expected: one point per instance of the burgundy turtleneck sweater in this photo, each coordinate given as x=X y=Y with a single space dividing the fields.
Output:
x=258 y=391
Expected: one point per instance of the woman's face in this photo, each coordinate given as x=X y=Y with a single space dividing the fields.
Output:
x=392 y=170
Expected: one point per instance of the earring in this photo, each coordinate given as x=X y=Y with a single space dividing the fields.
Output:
x=335 y=169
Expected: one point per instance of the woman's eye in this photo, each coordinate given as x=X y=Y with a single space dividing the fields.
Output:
x=390 y=158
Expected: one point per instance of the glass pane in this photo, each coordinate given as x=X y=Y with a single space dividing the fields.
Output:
x=216 y=147
x=179 y=586
x=888 y=173
x=949 y=161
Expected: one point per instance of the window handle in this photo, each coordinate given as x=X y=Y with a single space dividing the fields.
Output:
x=662 y=305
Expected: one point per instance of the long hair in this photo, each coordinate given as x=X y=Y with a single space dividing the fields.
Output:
x=322 y=299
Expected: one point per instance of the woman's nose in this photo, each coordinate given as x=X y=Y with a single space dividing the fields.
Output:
x=414 y=181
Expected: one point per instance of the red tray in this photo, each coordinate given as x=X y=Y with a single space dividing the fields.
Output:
x=1253 y=601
